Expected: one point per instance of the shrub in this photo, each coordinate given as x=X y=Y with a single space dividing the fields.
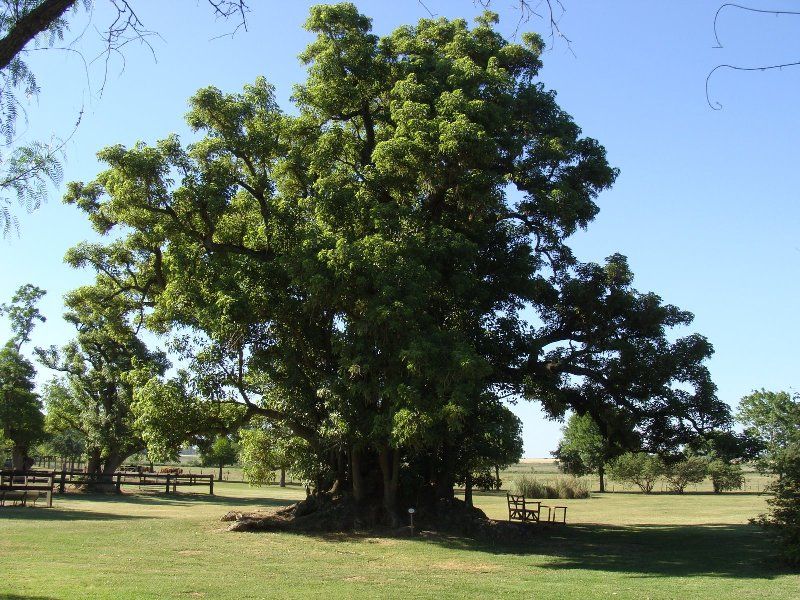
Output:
x=571 y=487
x=563 y=487
x=690 y=470
x=638 y=468
x=725 y=475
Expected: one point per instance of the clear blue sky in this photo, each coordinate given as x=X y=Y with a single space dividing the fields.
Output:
x=706 y=206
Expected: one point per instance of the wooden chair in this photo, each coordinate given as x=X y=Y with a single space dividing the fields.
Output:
x=520 y=509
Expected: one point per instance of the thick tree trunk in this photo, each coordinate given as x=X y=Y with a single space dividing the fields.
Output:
x=29 y=26
x=18 y=455
x=496 y=477
x=602 y=471
x=389 y=460
x=357 y=476
x=219 y=477
x=282 y=481
x=468 y=490
x=93 y=463
x=444 y=476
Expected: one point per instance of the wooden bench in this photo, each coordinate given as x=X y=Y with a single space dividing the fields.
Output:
x=19 y=487
x=520 y=509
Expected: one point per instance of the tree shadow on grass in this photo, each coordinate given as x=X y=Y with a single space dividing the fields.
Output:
x=28 y=513
x=710 y=550
x=4 y=596
x=180 y=499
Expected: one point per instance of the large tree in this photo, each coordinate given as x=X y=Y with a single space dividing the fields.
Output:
x=94 y=392
x=359 y=268
x=21 y=418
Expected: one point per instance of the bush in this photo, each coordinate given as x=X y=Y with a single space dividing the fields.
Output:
x=643 y=470
x=563 y=487
x=725 y=475
x=690 y=470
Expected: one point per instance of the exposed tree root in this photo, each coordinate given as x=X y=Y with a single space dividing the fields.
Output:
x=323 y=514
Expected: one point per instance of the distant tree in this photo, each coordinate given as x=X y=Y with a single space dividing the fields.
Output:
x=680 y=473
x=773 y=419
x=219 y=452
x=583 y=449
x=638 y=468
x=21 y=418
x=725 y=475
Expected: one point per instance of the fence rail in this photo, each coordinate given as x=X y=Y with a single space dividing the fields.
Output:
x=169 y=481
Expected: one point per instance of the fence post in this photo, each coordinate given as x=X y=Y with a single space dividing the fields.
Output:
x=211 y=485
x=168 y=476
x=62 y=486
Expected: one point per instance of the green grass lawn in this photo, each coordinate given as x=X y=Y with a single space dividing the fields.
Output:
x=621 y=545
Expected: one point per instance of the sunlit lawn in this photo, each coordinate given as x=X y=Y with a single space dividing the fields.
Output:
x=620 y=545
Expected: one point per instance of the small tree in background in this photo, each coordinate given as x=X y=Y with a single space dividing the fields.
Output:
x=219 y=452
x=692 y=469
x=583 y=449
x=638 y=468
x=725 y=475
x=773 y=419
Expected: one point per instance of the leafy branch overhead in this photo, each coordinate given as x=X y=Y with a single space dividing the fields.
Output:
x=26 y=170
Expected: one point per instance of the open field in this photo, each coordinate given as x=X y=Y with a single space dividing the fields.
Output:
x=621 y=545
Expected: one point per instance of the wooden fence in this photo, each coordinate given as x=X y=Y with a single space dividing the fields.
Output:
x=170 y=482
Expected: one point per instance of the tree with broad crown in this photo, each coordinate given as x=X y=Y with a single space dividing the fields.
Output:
x=359 y=267
x=94 y=393
x=685 y=470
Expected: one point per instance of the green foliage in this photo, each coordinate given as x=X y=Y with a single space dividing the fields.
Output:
x=680 y=473
x=561 y=487
x=354 y=270
x=23 y=313
x=95 y=391
x=258 y=456
x=222 y=450
x=638 y=468
x=21 y=418
x=772 y=418
x=583 y=449
x=725 y=476
x=783 y=518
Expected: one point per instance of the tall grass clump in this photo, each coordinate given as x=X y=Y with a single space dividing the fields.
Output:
x=563 y=487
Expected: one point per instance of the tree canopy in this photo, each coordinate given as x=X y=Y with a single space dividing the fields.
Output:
x=773 y=420
x=21 y=418
x=94 y=392
x=358 y=268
